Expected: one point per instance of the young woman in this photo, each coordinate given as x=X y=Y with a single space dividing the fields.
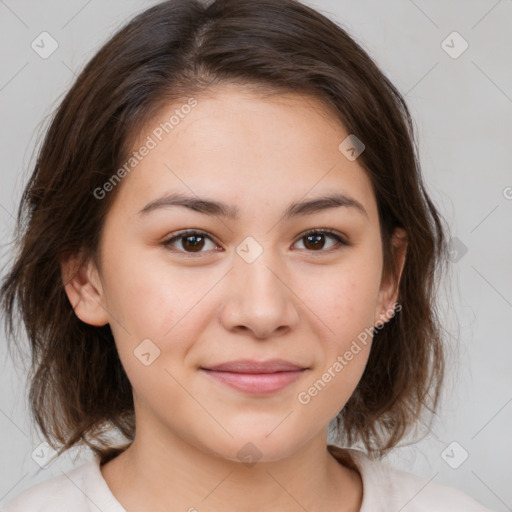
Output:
x=226 y=247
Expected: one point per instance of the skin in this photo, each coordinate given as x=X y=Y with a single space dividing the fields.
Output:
x=293 y=302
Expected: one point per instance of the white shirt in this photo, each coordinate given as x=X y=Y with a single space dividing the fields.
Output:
x=385 y=489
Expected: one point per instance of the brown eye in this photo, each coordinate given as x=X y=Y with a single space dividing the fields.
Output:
x=188 y=242
x=315 y=240
x=193 y=242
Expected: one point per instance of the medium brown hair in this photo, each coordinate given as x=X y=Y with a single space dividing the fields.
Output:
x=179 y=48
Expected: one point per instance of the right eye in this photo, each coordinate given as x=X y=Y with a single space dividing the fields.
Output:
x=192 y=242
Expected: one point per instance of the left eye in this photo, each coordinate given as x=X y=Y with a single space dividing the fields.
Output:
x=315 y=239
x=192 y=242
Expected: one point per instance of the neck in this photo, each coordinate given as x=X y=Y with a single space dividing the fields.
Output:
x=153 y=475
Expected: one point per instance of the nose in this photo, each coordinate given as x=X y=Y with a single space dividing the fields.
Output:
x=259 y=300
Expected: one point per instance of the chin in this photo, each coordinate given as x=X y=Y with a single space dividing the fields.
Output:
x=251 y=449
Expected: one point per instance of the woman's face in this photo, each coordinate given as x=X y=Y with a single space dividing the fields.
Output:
x=252 y=286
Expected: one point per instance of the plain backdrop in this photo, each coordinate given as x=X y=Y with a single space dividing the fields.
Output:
x=461 y=101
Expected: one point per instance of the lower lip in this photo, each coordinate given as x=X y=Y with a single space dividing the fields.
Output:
x=256 y=382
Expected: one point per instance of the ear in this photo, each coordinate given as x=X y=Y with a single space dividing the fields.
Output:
x=388 y=293
x=84 y=290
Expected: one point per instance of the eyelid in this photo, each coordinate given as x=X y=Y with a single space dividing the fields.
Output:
x=326 y=231
x=183 y=233
x=329 y=232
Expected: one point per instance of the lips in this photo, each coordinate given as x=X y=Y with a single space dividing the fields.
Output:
x=249 y=366
x=254 y=377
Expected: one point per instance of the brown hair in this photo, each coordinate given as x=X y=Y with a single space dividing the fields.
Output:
x=78 y=387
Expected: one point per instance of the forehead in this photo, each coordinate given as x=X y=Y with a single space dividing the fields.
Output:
x=243 y=148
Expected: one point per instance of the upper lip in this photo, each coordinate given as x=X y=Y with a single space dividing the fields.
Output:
x=249 y=366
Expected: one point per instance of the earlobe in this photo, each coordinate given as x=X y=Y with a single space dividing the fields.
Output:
x=389 y=287
x=83 y=288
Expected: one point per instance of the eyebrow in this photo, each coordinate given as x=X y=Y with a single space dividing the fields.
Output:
x=219 y=209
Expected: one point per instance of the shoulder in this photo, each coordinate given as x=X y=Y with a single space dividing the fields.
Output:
x=386 y=488
x=78 y=490
x=53 y=494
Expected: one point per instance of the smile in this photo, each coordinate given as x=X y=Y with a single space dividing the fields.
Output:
x=256 y=383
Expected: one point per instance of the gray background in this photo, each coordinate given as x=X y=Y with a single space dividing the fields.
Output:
x=462 y=109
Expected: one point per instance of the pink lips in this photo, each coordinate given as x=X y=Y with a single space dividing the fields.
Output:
x=256 y=377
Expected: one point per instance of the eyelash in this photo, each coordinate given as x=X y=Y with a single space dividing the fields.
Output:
x=342 y=242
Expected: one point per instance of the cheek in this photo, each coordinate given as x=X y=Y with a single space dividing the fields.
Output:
x=344 y=307
x=345 y=297
x=353 y=306
x=153 y=300
x=345 y=339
